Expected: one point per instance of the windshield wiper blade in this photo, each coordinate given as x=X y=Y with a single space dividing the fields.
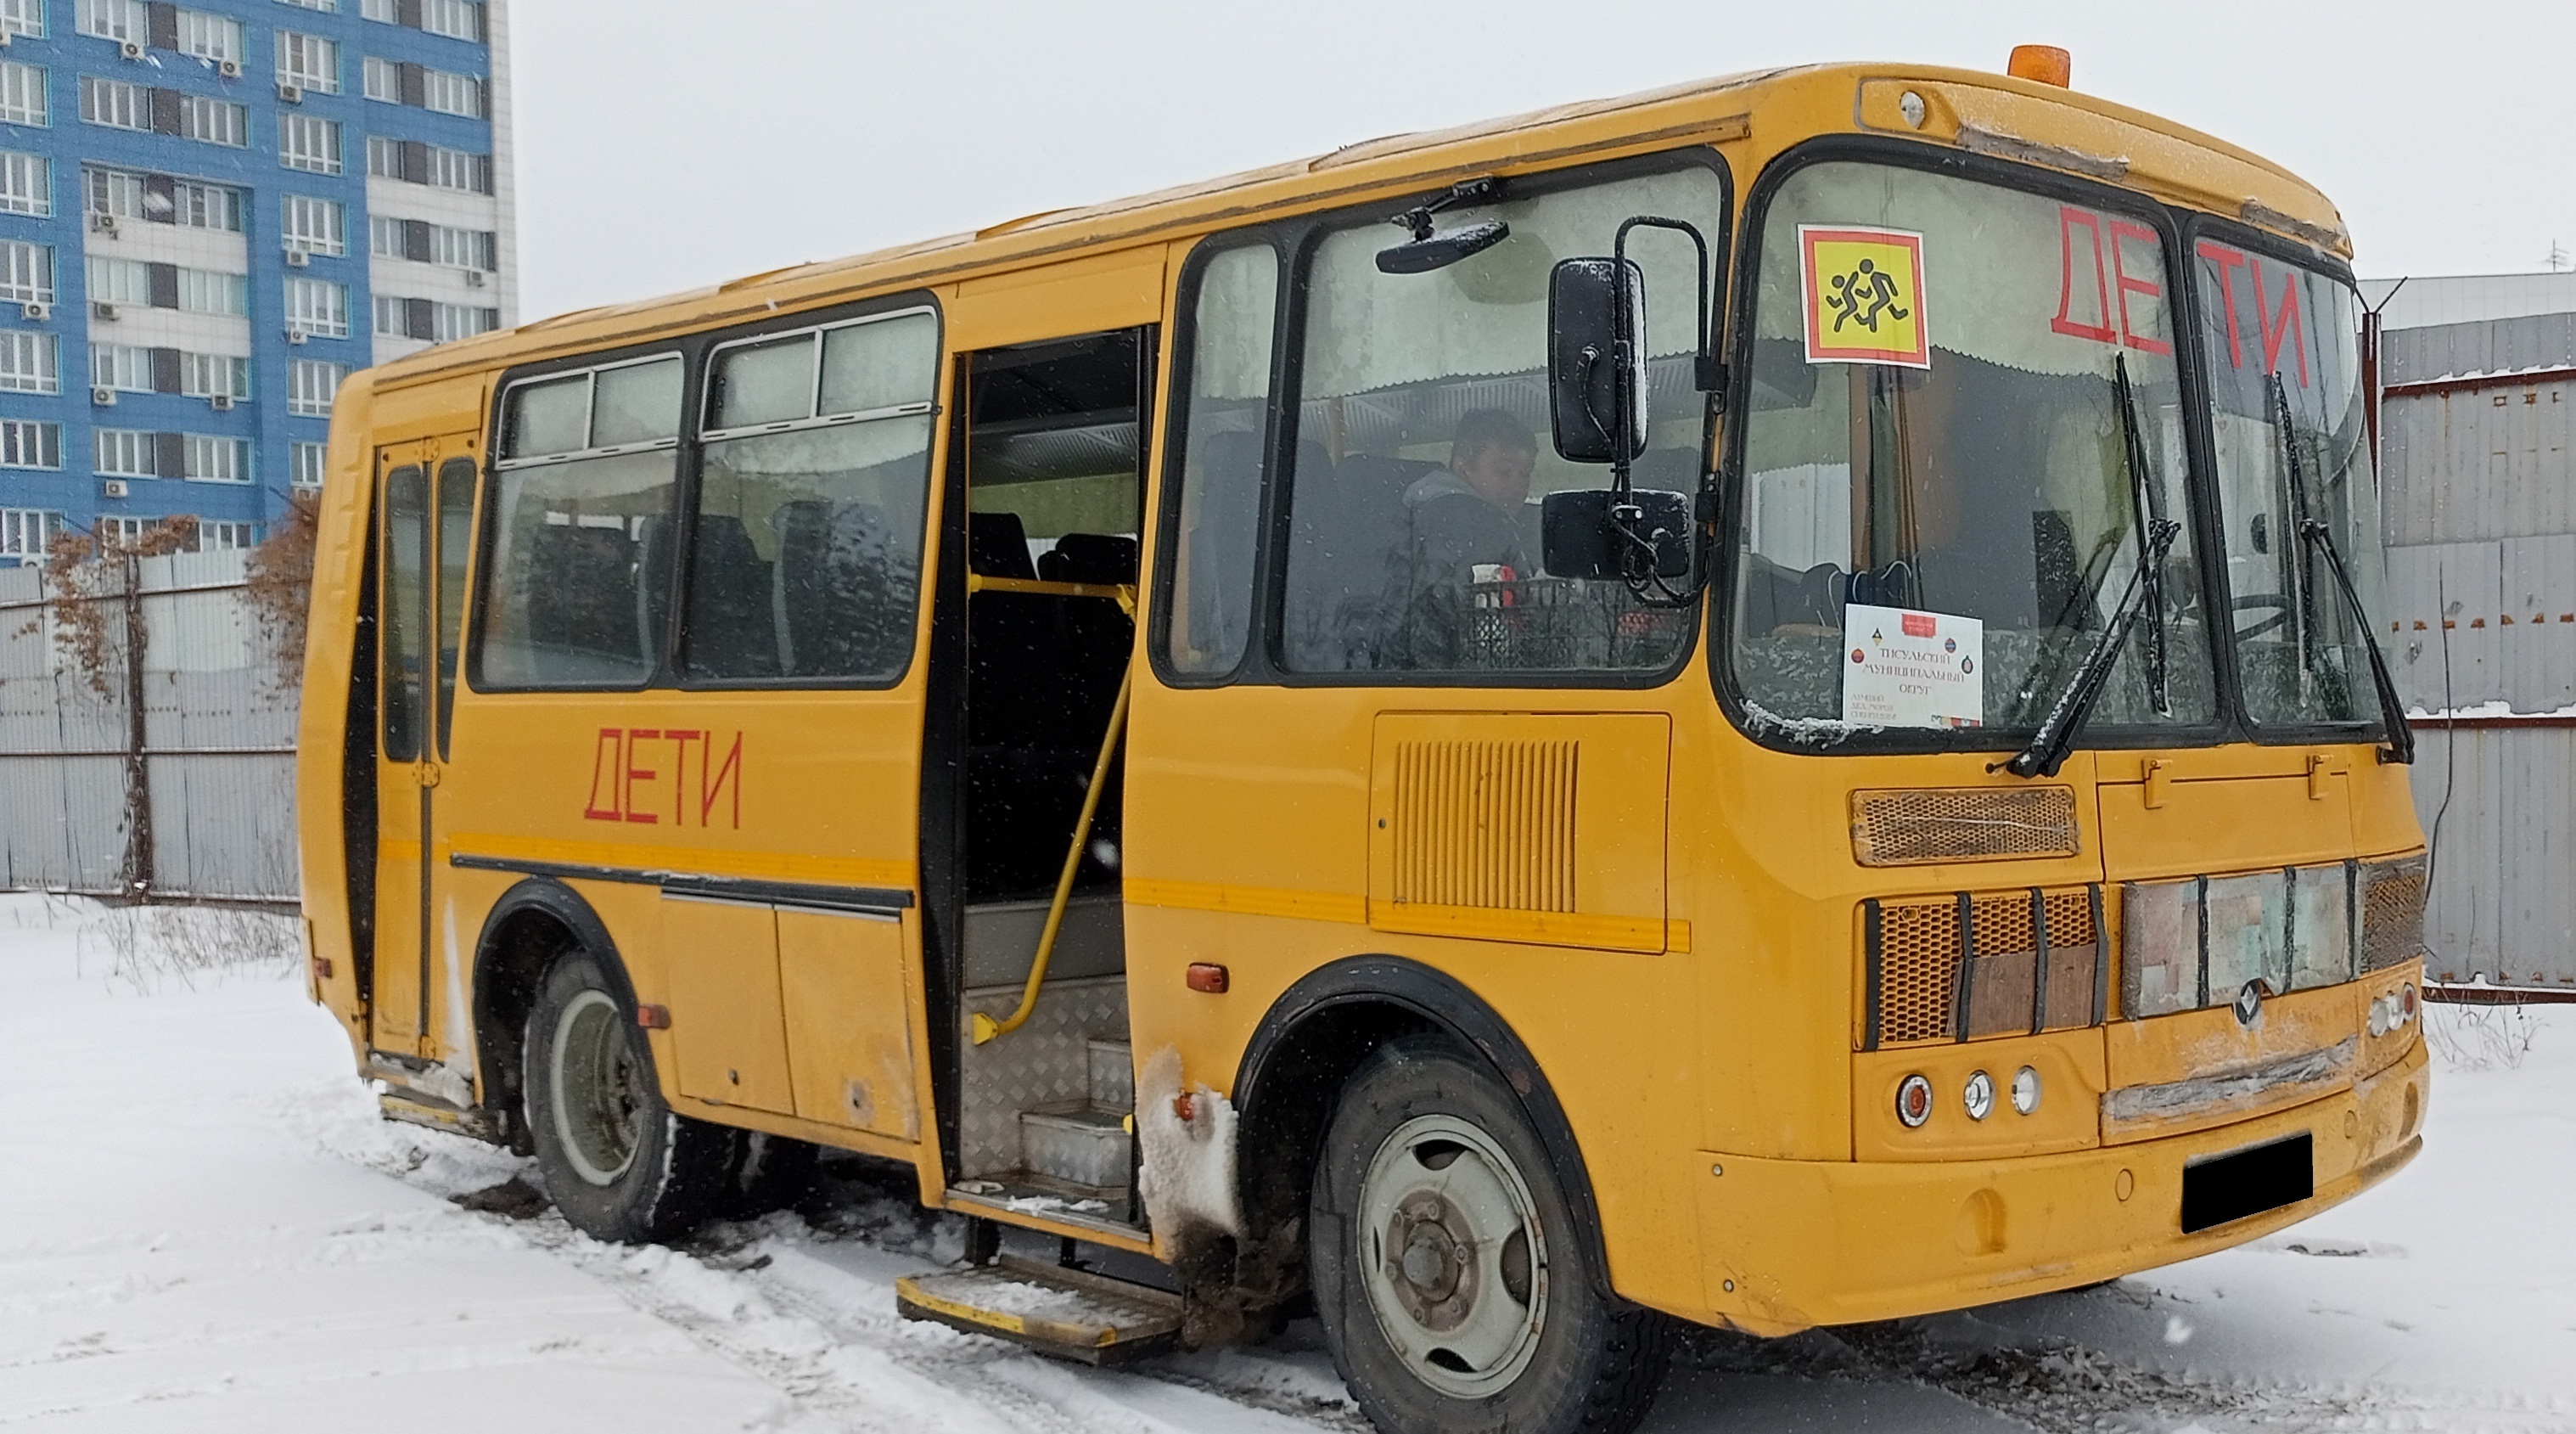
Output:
x=2392 y=708
x=2145 y=510
x=2047 y=749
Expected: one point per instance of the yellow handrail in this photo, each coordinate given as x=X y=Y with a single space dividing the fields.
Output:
x=985 y=1027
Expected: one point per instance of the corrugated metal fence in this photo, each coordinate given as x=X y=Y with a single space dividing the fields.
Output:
x=217 y=766
x=2478 y=495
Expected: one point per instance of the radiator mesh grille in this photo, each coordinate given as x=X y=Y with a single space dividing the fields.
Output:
x=1916 y=826
x=1918 y=971
x=1919 y=952
x=1485 y=824
x=2392 y=913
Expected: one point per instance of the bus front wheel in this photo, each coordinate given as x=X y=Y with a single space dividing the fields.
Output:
x=619 y=1163
x=1454 y=1289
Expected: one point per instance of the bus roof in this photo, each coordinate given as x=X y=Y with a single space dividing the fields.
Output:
x=1980 y=111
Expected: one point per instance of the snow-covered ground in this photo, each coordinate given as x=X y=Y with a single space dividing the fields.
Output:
x=203 y=1226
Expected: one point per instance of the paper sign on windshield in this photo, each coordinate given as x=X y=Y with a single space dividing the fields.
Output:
x=1912 y=669
x=1864 y=295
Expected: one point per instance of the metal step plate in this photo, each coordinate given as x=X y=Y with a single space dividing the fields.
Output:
x=1072 y=1314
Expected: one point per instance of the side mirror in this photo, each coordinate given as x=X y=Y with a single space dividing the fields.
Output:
x=1595 y=350
x=1578 y=539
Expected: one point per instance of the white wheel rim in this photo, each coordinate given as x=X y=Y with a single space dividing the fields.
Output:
x=1452 y=1256
x=599 y=1121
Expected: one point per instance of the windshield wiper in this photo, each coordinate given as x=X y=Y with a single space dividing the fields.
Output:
x=2047 y=749
x=2146 y=508
x=2315 y=532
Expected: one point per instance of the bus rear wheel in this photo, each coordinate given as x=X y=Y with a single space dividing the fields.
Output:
x=1454 y=1290
x=619 y=1163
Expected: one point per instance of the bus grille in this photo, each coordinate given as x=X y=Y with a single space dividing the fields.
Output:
x=2392 y=913
x=1968 y=965
x=1917 y=826
x=1485 y=824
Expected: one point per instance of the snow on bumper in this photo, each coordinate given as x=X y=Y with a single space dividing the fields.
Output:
x=1883 y=1240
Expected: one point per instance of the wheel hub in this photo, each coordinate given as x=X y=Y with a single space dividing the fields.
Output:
x=1457 y=1272
x=1433 y=1273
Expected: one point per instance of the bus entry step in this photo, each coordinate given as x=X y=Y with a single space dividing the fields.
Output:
x=1072 y=1314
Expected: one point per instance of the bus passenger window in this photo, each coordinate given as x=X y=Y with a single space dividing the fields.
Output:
x=1422 y=453
x=406 y=625
x=810 y=504
x=1217 y=482
x=580 y=529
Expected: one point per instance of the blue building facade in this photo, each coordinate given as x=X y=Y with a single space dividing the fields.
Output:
x=212 y=213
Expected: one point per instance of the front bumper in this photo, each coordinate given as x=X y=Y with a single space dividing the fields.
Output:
x=1793 y=1244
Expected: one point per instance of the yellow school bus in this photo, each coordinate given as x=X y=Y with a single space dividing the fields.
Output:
x=1753 y=705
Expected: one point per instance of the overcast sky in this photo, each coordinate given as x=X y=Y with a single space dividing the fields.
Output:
x=665 y=144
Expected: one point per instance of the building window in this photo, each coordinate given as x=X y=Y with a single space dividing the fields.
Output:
x=451 y=94
x=203 y=206
x=309 y=143
x=125 y=367
x=26 y=272
x=433 y=321
x=115 y=20
x=220 y=537
x=28 y=532
x=27 y=443
x=427 y=243
x=306 y=463
x=456 y=19
x=113 y=192
x=318 y=307
x=26 y=184
x=204 y=291
x=382 y=11
x=311 y=385
x=384 y=80
x=315 y=226
x=125 y=453
x=116 y=104
x=213 y=376
x=210 y=37
x=326 y=6
x=418 y=163
x=119 y=281
x=27 y=363
x=23 y=17
x=22 y=94
x=212 y=459
x=214 y=121
x=309 y=61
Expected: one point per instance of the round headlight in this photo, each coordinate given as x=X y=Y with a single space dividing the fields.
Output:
x=1980 y=1096
x=1913 y=1101
x=2379 y=1021
x=2025 y=1090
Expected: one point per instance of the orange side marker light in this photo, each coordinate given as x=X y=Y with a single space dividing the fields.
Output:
x=1209 y=977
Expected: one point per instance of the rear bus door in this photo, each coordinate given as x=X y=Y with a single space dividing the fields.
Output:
x=425 y=500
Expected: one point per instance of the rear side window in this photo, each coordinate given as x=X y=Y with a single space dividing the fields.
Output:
x=811 y=492
x=1216 y=481
x=582 y=531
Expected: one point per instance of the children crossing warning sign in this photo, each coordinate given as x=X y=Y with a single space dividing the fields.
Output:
x=1864 y=295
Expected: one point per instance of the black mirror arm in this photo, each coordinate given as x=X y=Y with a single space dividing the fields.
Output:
x=1638 y=550
x=1485 y=190
x=1707 y=373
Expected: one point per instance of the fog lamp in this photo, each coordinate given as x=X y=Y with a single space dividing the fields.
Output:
x=1980 y=1096
x=2379 y=1015
x=1913 y=1101
x=2025 y=1090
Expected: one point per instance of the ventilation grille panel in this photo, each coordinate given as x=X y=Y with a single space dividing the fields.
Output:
x=2392 y=913
x=1486 y=824
x=1918 y=826
x=1919 y=954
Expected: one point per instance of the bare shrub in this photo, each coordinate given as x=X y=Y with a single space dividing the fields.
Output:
x=150 y=946
x=280 y=577
x=2478 y=1038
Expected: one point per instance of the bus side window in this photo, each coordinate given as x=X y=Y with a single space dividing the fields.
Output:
x=406 y=626
x=1215 y=480
x=808 y=561
x=456 y=479
x=586 y=477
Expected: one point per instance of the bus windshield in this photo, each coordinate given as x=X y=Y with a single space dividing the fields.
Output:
x=2287 y=426
x=1965 y=415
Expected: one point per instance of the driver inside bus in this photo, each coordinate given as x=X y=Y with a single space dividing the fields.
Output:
x=1464 y=525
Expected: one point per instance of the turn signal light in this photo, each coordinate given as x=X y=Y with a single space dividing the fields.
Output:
x=2041 y=64
x=653 y=1018
x=1913 y=1102
x=1209 y=977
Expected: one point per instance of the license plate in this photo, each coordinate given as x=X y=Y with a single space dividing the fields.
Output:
x=2220 y=1188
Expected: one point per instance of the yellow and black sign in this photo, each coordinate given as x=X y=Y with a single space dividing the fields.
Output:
x=1864 y=295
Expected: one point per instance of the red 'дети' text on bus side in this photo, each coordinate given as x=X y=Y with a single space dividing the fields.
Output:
x=626 y=764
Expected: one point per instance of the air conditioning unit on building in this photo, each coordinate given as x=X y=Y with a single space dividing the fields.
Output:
x=474 y=278
x=229 y=69
x=102 y=397
x=103 y=224
x=290 y=94
x=36 y=310
x=295 y=336
x=111 y=488
x=130 y=49
x=104 y=313
x=297 y=259
x=222 y=402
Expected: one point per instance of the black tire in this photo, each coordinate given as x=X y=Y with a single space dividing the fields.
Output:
x=770 y=1172
x=1572 y=1362
x=617 y=1161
